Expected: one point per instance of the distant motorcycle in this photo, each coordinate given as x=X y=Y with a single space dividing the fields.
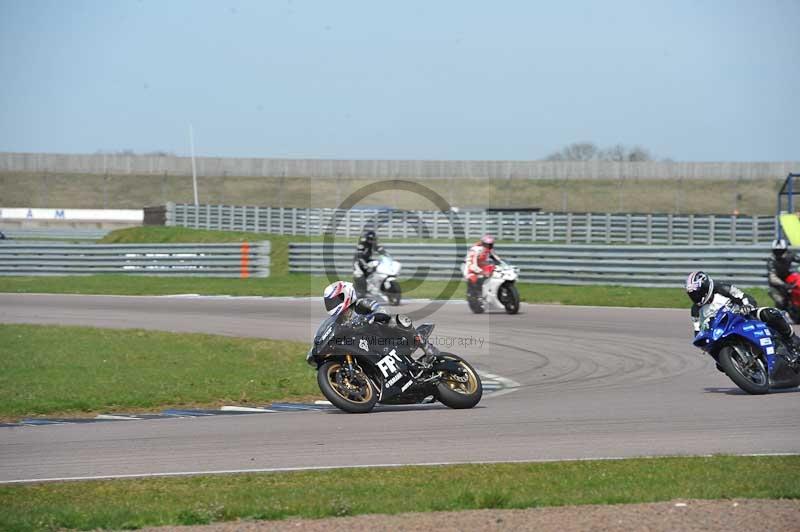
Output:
x=382 y=284
x=791 y=303
x=360 y=367
x=753 y=356
x=498 y=291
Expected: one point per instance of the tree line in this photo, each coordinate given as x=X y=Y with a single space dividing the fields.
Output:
x=589 y=151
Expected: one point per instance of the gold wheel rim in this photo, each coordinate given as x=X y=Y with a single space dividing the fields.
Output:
x=466 y=388
x=367 y=393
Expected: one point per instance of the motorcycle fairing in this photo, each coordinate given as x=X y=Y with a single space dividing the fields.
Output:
x=390 y=358
x=728 y=324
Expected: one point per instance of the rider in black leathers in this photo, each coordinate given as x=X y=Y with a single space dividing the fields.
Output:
x=779 y=266
x=367 y=246
x=362 y=314
x=704 y=292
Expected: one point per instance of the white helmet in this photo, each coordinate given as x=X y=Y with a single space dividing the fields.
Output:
x=338 y=297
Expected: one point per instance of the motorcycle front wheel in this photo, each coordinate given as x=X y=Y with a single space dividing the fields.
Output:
x=462 y=390
x=355 y=394
x=745 y=368
x=509 y=297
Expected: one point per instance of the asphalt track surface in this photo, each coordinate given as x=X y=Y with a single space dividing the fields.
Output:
x=593 y=383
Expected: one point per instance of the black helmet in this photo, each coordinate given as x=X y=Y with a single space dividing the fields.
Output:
x=779 y=247
x=369 y=236
x=699 y=287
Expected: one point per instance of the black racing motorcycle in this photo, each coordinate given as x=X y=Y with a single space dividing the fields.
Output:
x=360 y=366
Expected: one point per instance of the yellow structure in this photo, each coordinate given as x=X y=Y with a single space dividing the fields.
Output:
x=790 y=224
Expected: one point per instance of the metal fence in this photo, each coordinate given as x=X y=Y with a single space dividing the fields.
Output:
x=206 y=260
x=559 y=264
x=517 y=226
x=54 y=233
x=387 y=169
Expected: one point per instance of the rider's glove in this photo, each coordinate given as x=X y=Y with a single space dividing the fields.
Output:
x=746 y=309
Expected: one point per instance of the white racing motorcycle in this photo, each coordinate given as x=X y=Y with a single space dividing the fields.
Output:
x=382 y=284
x=499 y=291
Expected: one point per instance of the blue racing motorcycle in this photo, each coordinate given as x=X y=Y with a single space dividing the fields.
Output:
x=754 y=357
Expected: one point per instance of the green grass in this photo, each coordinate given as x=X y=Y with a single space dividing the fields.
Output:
x=75 y=370
x=43 y=189
x=315 y=494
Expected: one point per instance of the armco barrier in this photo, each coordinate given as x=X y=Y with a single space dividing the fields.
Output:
x=518 y=226
x=55 y=233
x=205 y=260
x=561 y=264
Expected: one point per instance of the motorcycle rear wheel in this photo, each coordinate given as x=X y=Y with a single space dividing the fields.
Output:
x=745 y=368
x=475 y=305
x=356 y=397
x=457 y=393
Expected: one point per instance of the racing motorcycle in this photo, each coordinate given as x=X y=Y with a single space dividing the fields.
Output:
x=499 y=290
x=360 y=367
x=753 y=356
x=382 y=284
x=791 y=303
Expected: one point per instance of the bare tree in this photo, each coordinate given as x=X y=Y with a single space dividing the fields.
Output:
x=639 y=154
x=588 y=151
x=615 y=153
x=577 y=151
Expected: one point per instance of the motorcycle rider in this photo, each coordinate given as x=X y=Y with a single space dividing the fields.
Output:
x=708 y=297
x=367 y=245
x=479 y=264
x=779 y=266
x=341 y=300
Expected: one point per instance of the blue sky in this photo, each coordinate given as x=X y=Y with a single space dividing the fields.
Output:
x=452 y=79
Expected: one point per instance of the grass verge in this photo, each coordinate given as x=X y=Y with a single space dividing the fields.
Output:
x=74 y=370
x=314 y=494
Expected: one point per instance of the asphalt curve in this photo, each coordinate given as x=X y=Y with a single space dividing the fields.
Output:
x=593 y=383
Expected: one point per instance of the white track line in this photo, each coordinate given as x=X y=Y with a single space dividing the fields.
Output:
x=233 y=408
x=509 y=386
x=324 y=468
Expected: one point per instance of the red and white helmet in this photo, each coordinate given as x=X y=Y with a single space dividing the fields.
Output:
x=487 y=241
x=338 y=297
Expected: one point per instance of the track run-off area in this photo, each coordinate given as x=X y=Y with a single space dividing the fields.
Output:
x=589 y=382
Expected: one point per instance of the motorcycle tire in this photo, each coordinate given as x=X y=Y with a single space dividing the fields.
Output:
x=732 y=359
x=511 y=299
x=456 y=394
x=475 y=305
x=358 y=401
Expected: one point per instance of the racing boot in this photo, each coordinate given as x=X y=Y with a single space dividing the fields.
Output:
x=794 y=348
